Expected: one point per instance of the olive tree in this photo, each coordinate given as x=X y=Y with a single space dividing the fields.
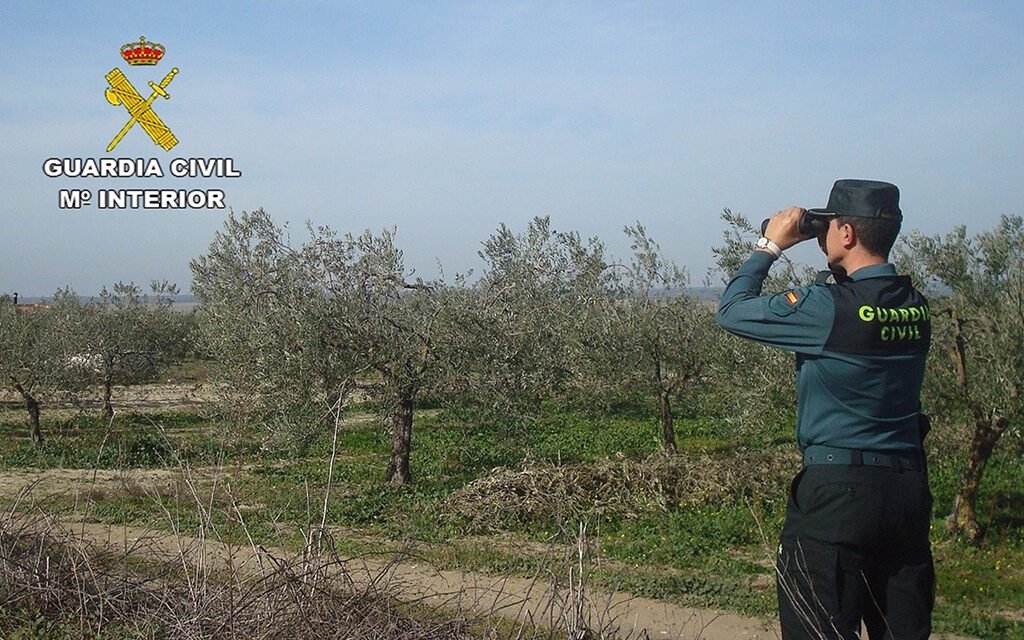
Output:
x=662 y=335
x=386 y=320
x=299 y=328
x=520 y=329
x=127 y=335
x=36 y=358
x=976 y=287
x=263 y=321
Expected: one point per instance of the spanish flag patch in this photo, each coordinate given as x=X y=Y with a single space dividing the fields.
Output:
x=791 y=297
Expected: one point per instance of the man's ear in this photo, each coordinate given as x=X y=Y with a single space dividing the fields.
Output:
x=847 y=235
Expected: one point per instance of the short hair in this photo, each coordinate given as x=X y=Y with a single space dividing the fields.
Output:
x=877 y=235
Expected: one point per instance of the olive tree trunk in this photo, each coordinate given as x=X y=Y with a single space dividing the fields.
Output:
x=32 y=406
x=108 y=386
x=399 y=471
x=964 y=520
x=668 y=430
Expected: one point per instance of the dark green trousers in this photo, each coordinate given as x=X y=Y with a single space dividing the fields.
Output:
x=855 y=549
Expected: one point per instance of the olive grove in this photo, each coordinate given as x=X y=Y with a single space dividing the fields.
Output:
x=60 y=349
x=552 y=322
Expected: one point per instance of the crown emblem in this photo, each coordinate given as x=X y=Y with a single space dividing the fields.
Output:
x=142 y=52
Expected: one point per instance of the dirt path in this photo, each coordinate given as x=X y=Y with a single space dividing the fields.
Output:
x=157 y=396
x=531 y=600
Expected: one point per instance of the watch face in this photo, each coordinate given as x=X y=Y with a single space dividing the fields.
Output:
x=767 y=245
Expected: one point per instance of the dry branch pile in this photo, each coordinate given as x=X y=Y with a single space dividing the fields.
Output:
x=546 y=494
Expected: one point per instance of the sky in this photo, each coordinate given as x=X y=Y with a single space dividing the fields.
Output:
x=447 y=119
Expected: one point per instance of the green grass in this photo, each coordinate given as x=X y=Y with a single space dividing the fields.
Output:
x=978 y=583
x=704 y=554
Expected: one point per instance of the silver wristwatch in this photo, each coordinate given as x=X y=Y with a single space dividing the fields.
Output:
x=769 y=246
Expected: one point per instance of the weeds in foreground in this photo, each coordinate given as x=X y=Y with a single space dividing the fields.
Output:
x=59 y=579
x=89 y=591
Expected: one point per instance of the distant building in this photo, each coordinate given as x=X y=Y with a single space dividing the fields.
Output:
x=22 y=309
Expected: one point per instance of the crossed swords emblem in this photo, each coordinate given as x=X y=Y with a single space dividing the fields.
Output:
x=121 y=91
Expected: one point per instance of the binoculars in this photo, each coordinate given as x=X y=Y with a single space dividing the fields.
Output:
x=811 y=224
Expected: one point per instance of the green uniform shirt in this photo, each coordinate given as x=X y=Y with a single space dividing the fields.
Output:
x=851 y=400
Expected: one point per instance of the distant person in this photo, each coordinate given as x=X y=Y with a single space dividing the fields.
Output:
x=855 y=544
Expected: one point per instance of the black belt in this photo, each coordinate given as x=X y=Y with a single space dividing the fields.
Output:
x=821 y=454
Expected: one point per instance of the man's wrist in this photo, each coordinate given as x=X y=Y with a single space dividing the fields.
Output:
x=766 y=245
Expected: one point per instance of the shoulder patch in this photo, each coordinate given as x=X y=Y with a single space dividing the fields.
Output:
x=785 y=303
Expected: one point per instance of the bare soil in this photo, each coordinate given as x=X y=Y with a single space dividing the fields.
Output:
x=158 y=396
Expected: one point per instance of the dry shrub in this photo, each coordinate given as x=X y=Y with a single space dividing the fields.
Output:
x=56 y=584
x=545 y=494
x=48 y=575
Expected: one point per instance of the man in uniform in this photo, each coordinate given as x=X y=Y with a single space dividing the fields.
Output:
x=855 y=544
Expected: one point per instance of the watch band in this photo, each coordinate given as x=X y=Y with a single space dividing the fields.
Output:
x=769 y=246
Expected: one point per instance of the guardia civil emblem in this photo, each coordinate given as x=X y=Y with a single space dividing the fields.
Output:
x=122 y=92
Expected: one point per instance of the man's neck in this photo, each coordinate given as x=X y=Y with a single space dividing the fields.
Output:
x=860 y=259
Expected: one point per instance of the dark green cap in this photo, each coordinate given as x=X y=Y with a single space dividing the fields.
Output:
x=864 y=199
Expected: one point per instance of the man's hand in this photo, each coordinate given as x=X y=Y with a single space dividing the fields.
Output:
x=784 y=228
